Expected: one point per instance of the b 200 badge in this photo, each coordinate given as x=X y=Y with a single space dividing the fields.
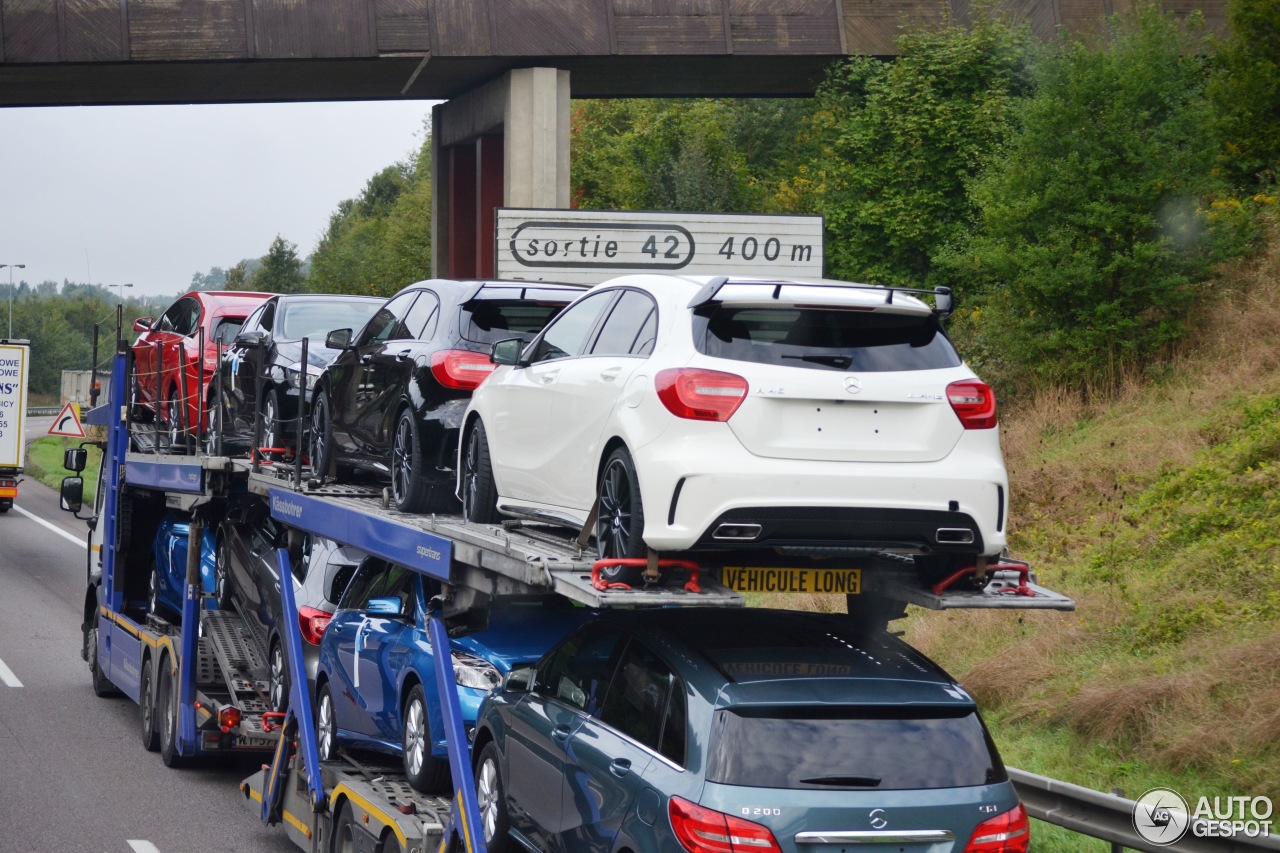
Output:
x=756 y=811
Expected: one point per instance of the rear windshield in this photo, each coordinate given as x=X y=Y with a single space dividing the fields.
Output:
x=851 y=748
x=824 y=338
x=487 y=320
x=225 y=330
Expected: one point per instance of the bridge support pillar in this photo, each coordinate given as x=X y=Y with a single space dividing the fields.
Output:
x=505 y=144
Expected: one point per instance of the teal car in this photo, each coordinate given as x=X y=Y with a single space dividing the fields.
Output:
x=719 y=731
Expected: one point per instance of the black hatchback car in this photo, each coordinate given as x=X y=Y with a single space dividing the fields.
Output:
x=260 y=369
x=391 y=402
x=713 y=731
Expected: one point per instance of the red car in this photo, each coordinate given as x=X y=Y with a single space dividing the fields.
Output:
x=164 y=346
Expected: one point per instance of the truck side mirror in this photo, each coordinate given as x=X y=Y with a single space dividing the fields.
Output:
x=338 y=339
x=71 y=495
x=75 y=458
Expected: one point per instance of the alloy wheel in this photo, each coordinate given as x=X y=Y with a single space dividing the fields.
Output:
x=415 y=737
x=615 y=510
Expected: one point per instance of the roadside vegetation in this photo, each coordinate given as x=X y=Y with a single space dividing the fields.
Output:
x=44 y=464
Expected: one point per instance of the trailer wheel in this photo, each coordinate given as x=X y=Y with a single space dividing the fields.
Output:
x=426 y=773
x=147 y=709
x=344 y=830
x=390 y=844
x=492 y=800
x=102 y=685
x=6 y=505
x=167 y=708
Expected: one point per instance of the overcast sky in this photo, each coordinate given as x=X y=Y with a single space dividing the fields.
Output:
x=155 y=194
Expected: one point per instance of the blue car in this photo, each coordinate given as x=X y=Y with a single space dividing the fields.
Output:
x=169 y=566
x=375 y=682
x=713 y=731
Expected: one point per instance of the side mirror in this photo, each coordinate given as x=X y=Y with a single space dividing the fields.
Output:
x=143 y=324
x=389 y=606
x=251 y=340
x=71 y=495
x=338 y=339
x=75 y=458
x=520 y=680
x=507 y=352
x=942 y=302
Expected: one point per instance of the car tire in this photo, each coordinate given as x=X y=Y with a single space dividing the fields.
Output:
x=278 y=678
x=479 y=491
x=102 y=686
x=412 y=490
x=271 y=426
x=425 y=772
x=215 y=424
x=326 y=724
x=491 y=797
x=173 y=418
x=321 y=449
x=138 y=413
x=345 y=829
x=620 y=521
x=153 y=589
x=147 y=708
x=222 y=572
x=167 y=716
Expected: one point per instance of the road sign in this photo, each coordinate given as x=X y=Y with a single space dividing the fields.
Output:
x=68 y=422
x=589 y=246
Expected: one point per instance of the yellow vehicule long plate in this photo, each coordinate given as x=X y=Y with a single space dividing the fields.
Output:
x=775 y=579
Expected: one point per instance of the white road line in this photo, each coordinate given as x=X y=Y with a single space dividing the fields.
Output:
x=7 y=676
x=144 y=847
x=58 y=530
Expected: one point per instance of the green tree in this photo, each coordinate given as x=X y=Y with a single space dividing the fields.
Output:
x=1093 y=223
x=238 y=277
x=900 y=141
x=1245 y=87
x=281 y=270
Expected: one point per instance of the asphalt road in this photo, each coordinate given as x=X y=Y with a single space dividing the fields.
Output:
x=73 y=774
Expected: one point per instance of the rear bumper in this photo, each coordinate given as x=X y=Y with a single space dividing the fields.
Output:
x=692 y=486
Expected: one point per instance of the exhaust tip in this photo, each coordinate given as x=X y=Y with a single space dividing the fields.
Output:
x=954 y=536
x=737 y=532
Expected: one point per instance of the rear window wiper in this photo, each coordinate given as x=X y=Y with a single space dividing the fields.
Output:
x=841 y=361
x=844 y=781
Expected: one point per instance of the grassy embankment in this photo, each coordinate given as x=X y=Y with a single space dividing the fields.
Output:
x=44 y=463
x=1158 y=510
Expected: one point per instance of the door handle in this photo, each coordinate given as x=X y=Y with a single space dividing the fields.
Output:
x=560 y=732
x=610 y=374
x=620 y=767
x=548 y=377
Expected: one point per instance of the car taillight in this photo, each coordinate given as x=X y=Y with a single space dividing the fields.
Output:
x=313 y=622
x=702 y=830
x=461 y=369
x=700 y=395
x=1005 y=833
x=974 y=403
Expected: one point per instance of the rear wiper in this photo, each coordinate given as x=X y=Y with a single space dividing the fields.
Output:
x=841 y=361
x=844 y=781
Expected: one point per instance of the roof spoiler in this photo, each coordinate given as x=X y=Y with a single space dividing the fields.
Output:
x=942 y=301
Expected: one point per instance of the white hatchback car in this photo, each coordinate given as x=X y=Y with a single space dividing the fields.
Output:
x=725 y=414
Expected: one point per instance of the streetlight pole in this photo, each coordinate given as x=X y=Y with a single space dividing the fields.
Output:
x=11 y=266
x=122 y=287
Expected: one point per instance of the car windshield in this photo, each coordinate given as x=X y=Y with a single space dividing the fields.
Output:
x=485 y=321
x=855 y=747
x=315 y=319
x=823 y=338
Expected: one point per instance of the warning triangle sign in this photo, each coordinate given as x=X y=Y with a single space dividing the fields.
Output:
x=67 y=422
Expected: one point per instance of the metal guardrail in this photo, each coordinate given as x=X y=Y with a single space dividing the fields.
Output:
x=38 y=411
x=1110 y=817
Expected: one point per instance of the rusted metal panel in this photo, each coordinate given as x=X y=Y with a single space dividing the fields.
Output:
x=551 y=27
x=403 y=26
x=462 y=27
x=92 y=31
x=31 y=31
x=187 y=29
x=293 y=29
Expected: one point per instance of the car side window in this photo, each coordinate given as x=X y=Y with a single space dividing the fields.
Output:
x=186 y=317
x=385 y=323
x=397 y=582
x=580 y=669
x=360 y=590
x=420 y=321
x=638 y=702
x=267 y=320
x=568 y=334
x=625 y=330
x=255 y=320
